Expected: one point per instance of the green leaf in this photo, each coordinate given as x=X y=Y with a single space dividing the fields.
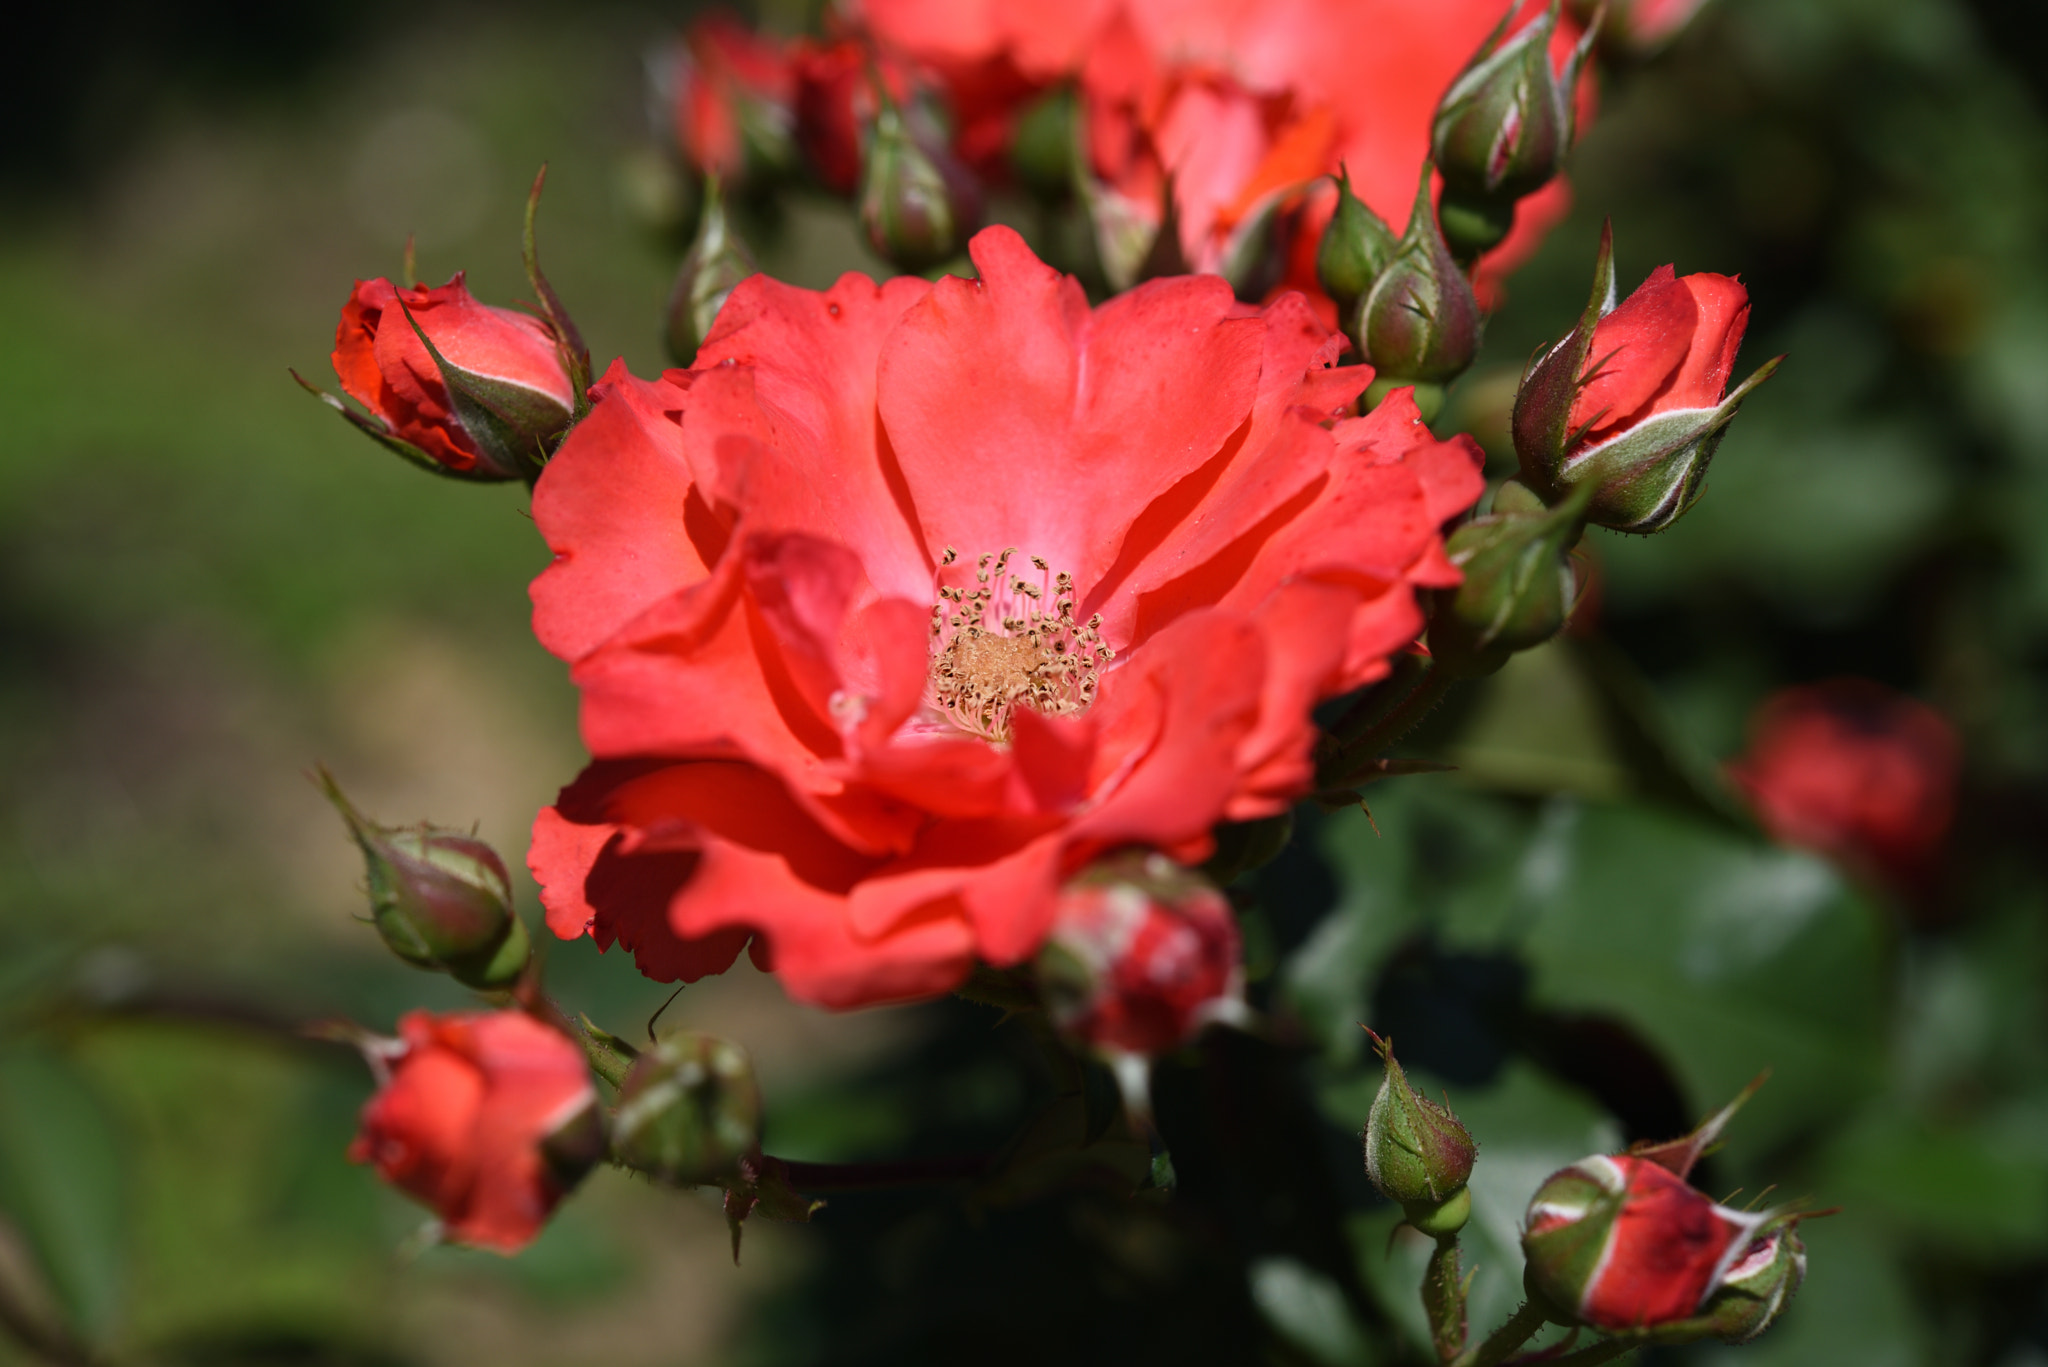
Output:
x=64 y=1184
x=1527 y=1127
x=1308 y=1310
x=1729 y=956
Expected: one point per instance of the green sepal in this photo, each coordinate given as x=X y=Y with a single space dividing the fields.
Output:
x=609 y=1055
x=499 y=969
x=1356 y=246
x=763 y=1186
x=374 y=428
x=1541 y=420
x=1043 y=150
x=1651 y=475
x=1420 y=322
x=513 y=426
x=568 y=340
x=713 y=267
x=1519 y=590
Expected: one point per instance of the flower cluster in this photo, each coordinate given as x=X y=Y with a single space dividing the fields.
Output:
x=975 y=631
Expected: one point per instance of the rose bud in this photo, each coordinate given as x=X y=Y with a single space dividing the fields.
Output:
x=1631 y=402
x=487 y=1117
x=918 y=204
x=688 y=1110
x=835 y=101
x=1043 y=151
x=1756 y=1289
x=1520 y=582
x=1417 y=1153
x=1419 y=324
x=439 y=899
x=454 y=386
x=1143 y=953
x=1623 y=1243
x=733 y=92
x=716 y=262
x=1502 y=131
x=1857 y=772
x=1356 y=247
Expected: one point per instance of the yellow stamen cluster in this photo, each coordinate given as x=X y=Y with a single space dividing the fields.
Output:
x=1008 y=643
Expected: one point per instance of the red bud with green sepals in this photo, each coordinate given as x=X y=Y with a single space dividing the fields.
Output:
x=438 y=898
x=1417 y=1153
x=1503 y=130
x=1143 y=953
x=1624 y=1244
x=1634 y=401
x=1419 y=324
x=689 y=1110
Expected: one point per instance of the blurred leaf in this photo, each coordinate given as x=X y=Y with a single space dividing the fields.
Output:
x=1527 y=1127
x=1308 y=1310
x=1980 y=1188
x=64 y=1184
x=1729 y=956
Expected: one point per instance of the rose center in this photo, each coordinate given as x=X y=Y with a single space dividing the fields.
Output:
x=1011 y=641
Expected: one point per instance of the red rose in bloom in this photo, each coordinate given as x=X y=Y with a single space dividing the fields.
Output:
x=1624 y=1243
x=464 y=1122
x=912 y=599
x=1855 y=771
x=1671 y=345
x=1142 y=955
x=383 y=365
x=727 y=77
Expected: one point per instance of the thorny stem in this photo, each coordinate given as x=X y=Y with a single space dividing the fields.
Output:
x=1519 y=1329
x=1350 y=760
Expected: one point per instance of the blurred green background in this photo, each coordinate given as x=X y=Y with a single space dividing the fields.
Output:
x=207 y=585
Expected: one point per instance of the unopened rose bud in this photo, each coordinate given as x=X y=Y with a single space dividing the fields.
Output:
x=1042 y=152
x=918 y=205
x=1419 y=324
x=450 y=384
x=439 y=899
x=1756 y=1289
x=733 y=94
x=688 y=1110
x=1417 y=1153
x=1356 y=247
x=1502 y=131
x=487 y=1117
x=1858 y=772
x=716 y=262
x=1623 y=1243
x=1631 y=403
x=1520 y=583
x=1143 y=954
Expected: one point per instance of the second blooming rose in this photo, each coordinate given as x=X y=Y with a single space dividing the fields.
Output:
x=911 y=600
